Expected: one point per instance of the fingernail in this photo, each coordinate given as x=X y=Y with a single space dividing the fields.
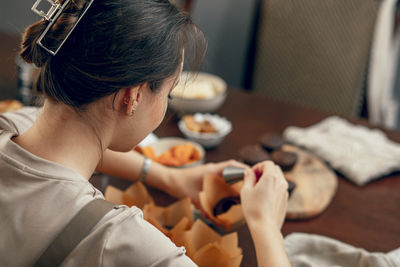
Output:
x=258 y=174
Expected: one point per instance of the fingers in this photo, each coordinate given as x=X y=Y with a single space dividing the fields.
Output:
x=249 y=178
x=196 y=203
x=219 y=167
x=282 y=179
x=234 y=163
x=264 y=167
x=267 y=169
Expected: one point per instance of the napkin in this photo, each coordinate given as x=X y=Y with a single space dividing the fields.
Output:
x=359 y=153
x=315 y=250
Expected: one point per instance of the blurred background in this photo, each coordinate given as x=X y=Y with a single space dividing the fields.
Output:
x=227 y=23
x=334 y=56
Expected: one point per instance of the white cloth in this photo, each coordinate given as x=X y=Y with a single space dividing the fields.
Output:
x=359 y=153
x=308 y=250
x=394 y=255
x=385 y=48
x=38 y=198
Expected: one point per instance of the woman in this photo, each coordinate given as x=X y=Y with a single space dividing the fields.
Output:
x=106 y=84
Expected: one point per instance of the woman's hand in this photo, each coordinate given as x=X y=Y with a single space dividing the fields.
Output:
x=264 y=198
x=264 y=195
x=189 y=182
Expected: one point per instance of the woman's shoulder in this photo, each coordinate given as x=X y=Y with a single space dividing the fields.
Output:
x=20 y=120
x=130 y=238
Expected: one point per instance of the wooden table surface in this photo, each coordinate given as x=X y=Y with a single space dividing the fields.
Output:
x=366 y=217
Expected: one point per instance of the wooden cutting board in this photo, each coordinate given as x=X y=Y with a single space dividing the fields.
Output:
x=316 y=185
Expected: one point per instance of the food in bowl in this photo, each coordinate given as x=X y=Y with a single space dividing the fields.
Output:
x=208 y=139
x=199 y=86
x=198 y=92
x=203 y=126
x=174 y=152
x=176 y=156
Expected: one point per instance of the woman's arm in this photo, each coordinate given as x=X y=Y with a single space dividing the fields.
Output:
x=264 y=199
x=268 y=242
x=129 y=166
x=185 y=182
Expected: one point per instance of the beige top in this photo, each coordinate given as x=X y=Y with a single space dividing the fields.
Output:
x=38 y=198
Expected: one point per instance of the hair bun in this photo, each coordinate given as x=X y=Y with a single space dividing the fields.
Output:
x=31 y=52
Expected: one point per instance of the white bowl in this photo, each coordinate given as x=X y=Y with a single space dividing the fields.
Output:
x=166 y=143
x=208 y=140
x=198 y=92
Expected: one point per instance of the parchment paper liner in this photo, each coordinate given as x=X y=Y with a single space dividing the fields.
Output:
x=215 y=189
x=134 y=195
x=207 y=248
x=163 y=218
x=166 y=218
x=203 y=245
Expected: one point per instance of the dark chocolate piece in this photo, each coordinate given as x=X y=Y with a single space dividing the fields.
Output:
x=291 y=187
x=271 y=142
x=286 y=160
x=225 y=204
x=253 y=154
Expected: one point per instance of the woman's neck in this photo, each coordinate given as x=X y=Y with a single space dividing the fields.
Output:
x=62 y=136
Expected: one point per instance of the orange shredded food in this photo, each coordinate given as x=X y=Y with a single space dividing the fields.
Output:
x=176 y=156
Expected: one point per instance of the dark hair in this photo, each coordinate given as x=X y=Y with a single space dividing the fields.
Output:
x=117 y=44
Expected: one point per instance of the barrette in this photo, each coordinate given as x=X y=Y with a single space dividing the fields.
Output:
x=51 y=16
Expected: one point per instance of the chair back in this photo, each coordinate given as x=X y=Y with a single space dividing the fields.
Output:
x=314 y=53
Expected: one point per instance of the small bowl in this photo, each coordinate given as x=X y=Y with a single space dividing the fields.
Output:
x=198 y=92
x=166 y=143
x=208 y=140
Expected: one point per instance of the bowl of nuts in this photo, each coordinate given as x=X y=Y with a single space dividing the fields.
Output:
x=209 y=130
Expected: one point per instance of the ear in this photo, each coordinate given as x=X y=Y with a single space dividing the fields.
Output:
x=131 y=99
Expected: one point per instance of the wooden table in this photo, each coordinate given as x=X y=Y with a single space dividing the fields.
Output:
x=366 y=217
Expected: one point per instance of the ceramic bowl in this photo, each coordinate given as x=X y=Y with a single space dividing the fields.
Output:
x=201 y=92
x=166 y=143
x=208 y=140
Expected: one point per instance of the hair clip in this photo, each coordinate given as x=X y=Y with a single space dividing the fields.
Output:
x=51 y=16
x=52 y=11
